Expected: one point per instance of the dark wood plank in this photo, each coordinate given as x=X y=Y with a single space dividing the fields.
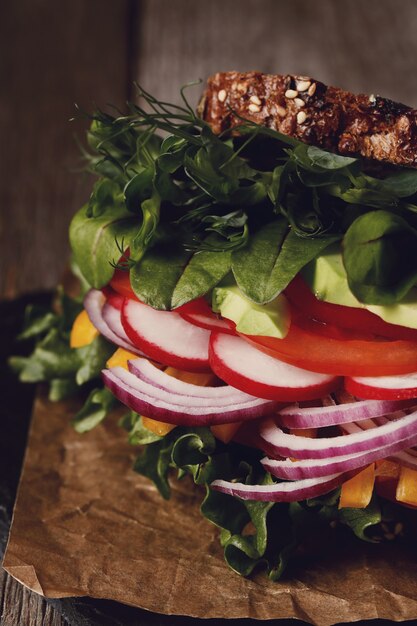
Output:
x=362 y=46
x=21 y=607
x=53 y=54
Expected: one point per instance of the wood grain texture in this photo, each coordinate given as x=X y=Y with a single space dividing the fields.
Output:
x=361 y=46
x=21 y=607
x=53 y=55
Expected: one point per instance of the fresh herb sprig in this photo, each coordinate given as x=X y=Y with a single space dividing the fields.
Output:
x=162 y=201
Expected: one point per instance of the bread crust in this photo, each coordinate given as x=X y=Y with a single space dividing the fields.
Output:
x=302 y=107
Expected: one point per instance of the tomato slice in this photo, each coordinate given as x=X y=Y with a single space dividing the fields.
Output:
x=121 y=283
x=199 y=313
x=342 y=357
x=349 y=317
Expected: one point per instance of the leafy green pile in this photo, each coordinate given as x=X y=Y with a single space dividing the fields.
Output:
x=184 y=211
x=68 y=371
x=254 y=534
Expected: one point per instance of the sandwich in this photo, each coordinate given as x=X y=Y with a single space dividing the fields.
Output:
x=248 y=276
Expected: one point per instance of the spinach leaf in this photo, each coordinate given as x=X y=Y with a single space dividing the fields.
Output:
x=155 y=277
x=272 y=259
x=295 y=253
x=253 y=265
x=400 y=184
x=316 y=160
x=380 y=257
x=203 y=272
x=95 y=241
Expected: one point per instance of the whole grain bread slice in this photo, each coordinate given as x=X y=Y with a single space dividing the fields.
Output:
x=327 y=117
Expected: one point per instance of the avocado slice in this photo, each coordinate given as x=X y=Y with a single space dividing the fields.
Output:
x=270 y=320
x=327 y=279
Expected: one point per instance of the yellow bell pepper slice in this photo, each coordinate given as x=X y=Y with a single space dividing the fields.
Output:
x=225 y=432
x=158 y=428
x=357 y=491
x=120 y=358
x=407 y=486
x=82 y=332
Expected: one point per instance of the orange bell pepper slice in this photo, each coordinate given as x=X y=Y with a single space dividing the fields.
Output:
x=357 y=491
x=82 y=332
x=407 y=486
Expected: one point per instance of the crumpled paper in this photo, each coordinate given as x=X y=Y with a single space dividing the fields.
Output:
x=86 y=524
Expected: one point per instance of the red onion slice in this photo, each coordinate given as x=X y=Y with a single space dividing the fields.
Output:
x=143 y=386
x=282 y=444
x=146 y=371
x=316 y=417
x=181 y=410
x=281 y=492
x=94 y=302
x=313 y=468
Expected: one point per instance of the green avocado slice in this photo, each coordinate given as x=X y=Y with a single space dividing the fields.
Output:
x=270 y=320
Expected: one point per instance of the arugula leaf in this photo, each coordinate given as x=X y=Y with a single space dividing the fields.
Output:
x=38 y=321
x=93 y=358
x=362 y=520
x=380 y=257
x=138 y=189
x=98 y=405
x=95 y=241
x=61 y=388
x=52 y=358
x=154 y=462
x=105 y=193
x=138 y=434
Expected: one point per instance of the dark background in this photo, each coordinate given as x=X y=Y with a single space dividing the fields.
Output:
x=54 y=53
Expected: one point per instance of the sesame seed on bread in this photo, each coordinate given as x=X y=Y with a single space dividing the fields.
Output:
x=302 y=107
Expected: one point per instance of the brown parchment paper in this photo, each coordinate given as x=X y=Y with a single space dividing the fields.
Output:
x=86 y=524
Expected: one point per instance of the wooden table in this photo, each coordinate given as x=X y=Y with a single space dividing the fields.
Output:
x=57 y=53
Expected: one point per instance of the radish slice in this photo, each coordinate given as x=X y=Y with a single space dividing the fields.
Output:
x=241 y=365
x=316 y=417
x=166 y=337
x=147 y=372
x=281 y=492
x=281 y=444
x=174 y=408
x=94 y=303
x=111 y=316
x=199 y=313
x=398 y=387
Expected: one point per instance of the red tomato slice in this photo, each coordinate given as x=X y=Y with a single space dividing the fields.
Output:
x=349 y=317
x=342 y=357
x=199 y=313
x=121 y=283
